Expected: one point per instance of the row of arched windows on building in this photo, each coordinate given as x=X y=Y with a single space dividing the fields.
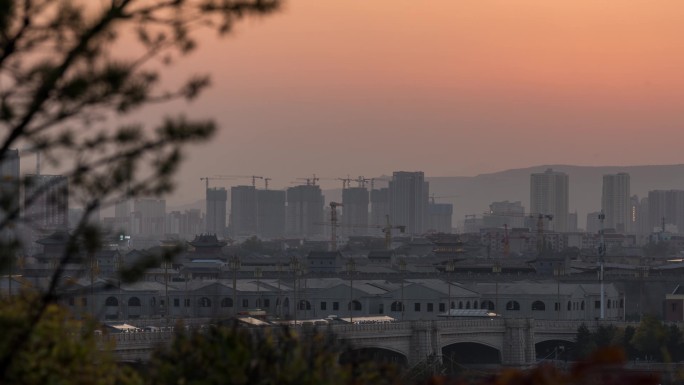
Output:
x=395 y=307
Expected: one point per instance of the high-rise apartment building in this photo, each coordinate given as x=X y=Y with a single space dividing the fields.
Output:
x=550 y=195
x=408 y=196
x=46 y=202
x=304 y=213
x=440 y=217
x=148 y=219
x=616 y=202
x=379 y=200
x=217 y=199
x=355 y=202
x=243 y=211
x=593 y=222
x=666 y=206
x=270 y=213
x=511 y=214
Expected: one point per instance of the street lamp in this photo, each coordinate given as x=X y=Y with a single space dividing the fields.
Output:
x=257 y=274
x=402 y=268
x=496 y=269
x=351 y=267
x=234 y=266
x=295 y=268
x=450 y=267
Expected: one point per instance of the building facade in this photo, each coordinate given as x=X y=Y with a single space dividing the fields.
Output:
x=549 y=195
x=270 y=213
x=408 y=197
x=304 y=213
x=217 y=199
x=355 y=202
x=243 y=211
x=616 y=202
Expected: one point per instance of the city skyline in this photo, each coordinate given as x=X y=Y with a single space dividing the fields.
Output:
x=453 y=89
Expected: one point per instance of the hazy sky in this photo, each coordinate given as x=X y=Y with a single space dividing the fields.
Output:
x=449 y=87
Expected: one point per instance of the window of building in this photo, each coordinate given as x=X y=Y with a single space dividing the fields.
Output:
x=205 y=302
x=355 y=305
x=674 y=307
x=396 y=306
x=468 y=305
x=336 y=306
x=245 y=303
x=111 y=301
x=324 y=306
x=267 y=302
x=227 y=302
x=513 y=305
x=430 y=307
x=569 y=305
x=597 y=304
x=176 y=302
x=134 y=301
x=416 y=306
x=187 y=302
x=442 y=307
x=381 y=308
x=556 y=306
x=582 y=305
x=538 y=306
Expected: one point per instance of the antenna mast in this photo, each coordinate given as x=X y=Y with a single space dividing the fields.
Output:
x=602 y=254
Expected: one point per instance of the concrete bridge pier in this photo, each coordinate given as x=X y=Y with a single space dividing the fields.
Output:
x=518 y=343
x=425 y=343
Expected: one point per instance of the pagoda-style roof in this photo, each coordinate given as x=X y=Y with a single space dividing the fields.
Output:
x=206 y=241
x=59 y=237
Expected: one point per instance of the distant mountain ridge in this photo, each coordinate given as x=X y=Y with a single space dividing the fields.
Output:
x=474 y=194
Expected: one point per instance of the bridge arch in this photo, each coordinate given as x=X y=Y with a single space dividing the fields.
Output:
x=554 y=349
x=375 y=354
x=455 y=355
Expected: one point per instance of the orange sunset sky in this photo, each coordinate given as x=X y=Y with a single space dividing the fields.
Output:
x=449 y=87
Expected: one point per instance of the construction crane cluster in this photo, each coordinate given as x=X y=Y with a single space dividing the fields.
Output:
x=206 y=179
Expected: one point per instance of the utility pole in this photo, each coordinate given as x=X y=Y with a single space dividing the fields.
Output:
x=351 y=267
x=602 y=254
x=402 y=268
x=257 y=274
x=294 y=267
x=235 y=266
x=496 y=269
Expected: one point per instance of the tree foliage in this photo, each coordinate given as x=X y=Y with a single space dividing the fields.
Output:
x=233 y=355
x=60 y=350
x=71 y=71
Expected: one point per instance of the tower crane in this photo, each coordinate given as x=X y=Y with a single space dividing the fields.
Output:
x=310 y=181
x=362 y=181
x=254 y=177
x=433 y=197
x=387 y=229
x=266 y=183
x=372 y=182
x=206 y=179
x=346 y=182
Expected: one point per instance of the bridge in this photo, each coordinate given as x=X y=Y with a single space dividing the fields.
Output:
x=510 y=341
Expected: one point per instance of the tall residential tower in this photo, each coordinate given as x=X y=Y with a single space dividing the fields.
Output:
x=550 y=195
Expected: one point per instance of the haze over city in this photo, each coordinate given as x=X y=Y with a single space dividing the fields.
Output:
x=354 y=88
x=453 y=89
